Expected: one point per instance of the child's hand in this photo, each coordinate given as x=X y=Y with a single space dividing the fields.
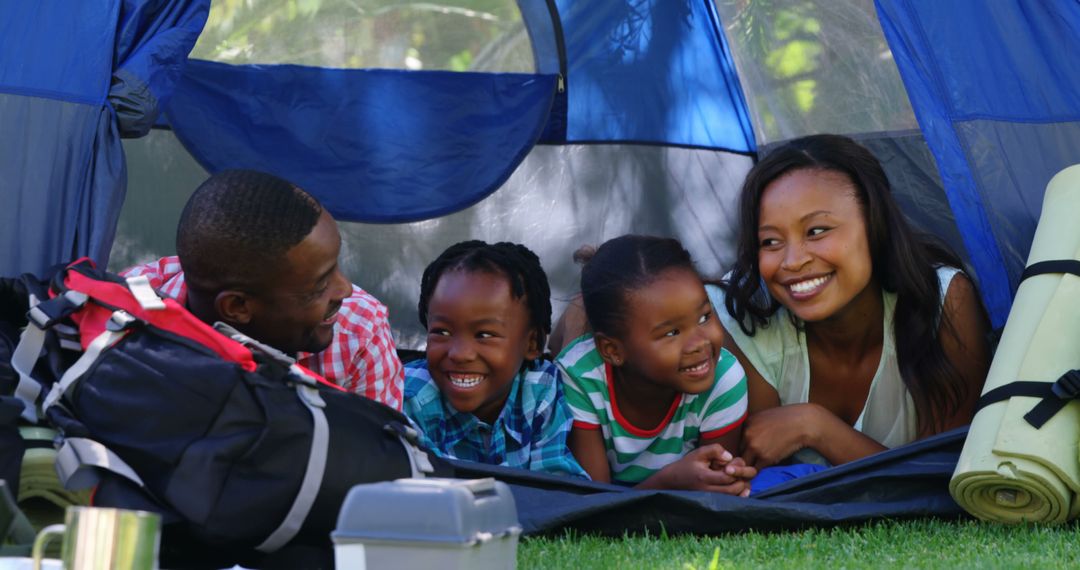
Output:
x=695 y=472
x=737 y=468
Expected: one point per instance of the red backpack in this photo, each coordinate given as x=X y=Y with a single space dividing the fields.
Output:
x=237 y=446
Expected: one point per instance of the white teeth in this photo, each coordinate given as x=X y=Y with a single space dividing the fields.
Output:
x=465 y=381
x=697 y=368
x=808 y=285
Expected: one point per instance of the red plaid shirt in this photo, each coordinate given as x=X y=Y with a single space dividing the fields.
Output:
x=362 y=357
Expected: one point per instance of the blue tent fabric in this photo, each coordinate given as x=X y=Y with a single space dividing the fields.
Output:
x=905 y=482
x=62 y=174
x=379 y=145
x=152 y=44
x=373 y=145
x=541 y=18
x=653 y=72
x=996 y=90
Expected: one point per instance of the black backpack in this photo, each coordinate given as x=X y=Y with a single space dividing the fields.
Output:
x=239 y=448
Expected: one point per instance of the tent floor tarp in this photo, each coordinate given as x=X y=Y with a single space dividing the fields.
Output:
x=906 y=482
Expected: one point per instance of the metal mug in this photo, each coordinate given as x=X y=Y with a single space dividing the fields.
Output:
x=104 y=539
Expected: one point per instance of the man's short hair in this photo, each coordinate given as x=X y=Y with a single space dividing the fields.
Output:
x=237 y=227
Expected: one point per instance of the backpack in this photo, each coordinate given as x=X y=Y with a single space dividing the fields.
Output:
x=237 y=446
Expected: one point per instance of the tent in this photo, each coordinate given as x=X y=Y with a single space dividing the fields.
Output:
x=74 y=79
x=554 y=123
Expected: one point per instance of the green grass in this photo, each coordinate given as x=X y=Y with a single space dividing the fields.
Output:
x=896 y=544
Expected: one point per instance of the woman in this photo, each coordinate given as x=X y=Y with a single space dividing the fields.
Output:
x=856 y=334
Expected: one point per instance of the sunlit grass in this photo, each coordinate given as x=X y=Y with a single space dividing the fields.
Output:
x=901 y=544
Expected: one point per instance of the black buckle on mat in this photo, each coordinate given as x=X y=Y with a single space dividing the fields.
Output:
x=1068 y=386
x=1052 y=396
x=1062 y=391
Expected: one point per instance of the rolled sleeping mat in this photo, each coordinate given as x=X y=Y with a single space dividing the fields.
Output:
x=1010 y=471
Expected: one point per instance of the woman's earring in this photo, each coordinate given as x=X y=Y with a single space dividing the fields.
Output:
x=617 y=361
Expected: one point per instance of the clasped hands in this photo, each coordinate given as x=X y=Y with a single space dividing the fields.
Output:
x=709 y=468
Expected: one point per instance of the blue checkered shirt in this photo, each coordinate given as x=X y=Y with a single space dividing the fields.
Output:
x=530 y=433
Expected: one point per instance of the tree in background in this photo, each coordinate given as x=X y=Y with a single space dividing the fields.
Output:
x=456 y=35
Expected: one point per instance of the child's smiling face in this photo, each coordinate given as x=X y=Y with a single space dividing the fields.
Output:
x=814 y=254
x=671 y=336
x=478 y=337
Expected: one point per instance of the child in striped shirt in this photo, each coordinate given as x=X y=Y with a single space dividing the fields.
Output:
x=657 y=402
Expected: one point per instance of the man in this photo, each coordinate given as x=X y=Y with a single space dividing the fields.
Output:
x=260 y=254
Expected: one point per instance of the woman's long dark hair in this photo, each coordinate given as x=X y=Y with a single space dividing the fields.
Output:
x=904 y=263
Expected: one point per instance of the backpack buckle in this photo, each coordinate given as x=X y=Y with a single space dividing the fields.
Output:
x=119 y=321
x=406 y=432
x=46 y=313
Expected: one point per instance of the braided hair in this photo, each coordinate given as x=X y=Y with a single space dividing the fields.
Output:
x=237 y=227
x=623 y=264
x=518 y=263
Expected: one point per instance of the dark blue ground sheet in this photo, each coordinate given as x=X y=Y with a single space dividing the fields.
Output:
x=906 y=482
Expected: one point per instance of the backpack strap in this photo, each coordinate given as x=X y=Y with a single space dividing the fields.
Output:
x=144 y=293
x=316 y=468
x=23 y=359
x=273 y=354
x=41 y=317
x=115 y=329
x=78 y=459
x=419 y=463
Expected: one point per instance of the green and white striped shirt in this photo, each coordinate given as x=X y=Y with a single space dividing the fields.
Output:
x=634 y=454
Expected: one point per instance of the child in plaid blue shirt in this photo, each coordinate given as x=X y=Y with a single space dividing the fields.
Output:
x=483 y=393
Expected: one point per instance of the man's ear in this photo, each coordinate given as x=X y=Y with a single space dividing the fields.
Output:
x=234 y=307
x=533 y=349
x=610 y=349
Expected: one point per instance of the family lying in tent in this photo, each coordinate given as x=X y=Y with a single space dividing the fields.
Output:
x=839 y=331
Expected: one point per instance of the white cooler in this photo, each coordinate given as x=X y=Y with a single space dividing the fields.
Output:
x=427 y=523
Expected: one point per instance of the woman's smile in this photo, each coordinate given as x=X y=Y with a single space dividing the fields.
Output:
x=805 y=289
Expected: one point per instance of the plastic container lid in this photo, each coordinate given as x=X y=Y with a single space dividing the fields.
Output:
x=458 y=511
